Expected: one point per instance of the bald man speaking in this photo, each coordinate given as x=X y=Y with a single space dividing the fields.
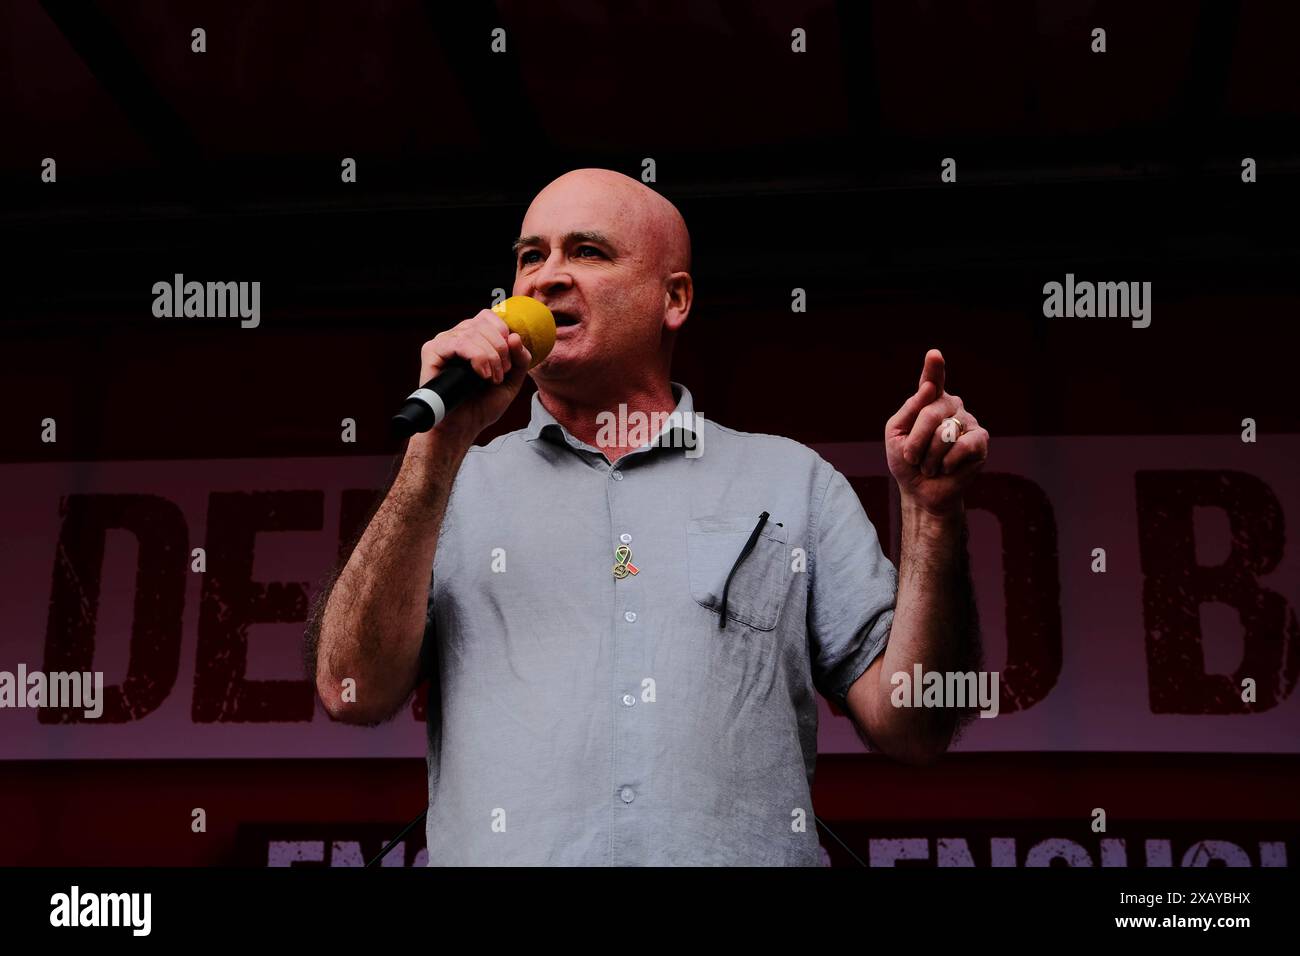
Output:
x=625 y=634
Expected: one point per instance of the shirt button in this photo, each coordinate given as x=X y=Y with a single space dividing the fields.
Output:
x=628 y=700
x=627 y=794
x=616 y=475
x=625 y=538
x=630 y=616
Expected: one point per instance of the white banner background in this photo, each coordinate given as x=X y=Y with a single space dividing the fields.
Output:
x=1100 y=701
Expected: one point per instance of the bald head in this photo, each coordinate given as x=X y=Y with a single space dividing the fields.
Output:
x=611 y=258
x=646 y=217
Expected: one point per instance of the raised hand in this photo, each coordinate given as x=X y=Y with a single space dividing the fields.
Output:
x=934 y=446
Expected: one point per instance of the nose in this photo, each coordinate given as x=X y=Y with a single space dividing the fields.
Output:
x=551 y=276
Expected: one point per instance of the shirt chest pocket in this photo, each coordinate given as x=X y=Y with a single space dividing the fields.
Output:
x=758 y=587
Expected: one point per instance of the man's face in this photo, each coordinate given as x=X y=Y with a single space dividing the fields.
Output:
x=585 y=253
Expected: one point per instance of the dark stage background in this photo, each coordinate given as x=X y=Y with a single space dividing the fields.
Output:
x=817 y=170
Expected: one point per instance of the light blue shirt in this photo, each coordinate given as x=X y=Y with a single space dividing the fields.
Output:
x=577 y=717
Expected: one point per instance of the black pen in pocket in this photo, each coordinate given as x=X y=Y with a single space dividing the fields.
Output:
x=744 y=553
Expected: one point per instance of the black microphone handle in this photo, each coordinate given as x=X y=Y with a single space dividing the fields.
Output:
x=431 y=402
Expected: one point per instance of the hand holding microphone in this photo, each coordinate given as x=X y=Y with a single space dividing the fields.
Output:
x=477 y=367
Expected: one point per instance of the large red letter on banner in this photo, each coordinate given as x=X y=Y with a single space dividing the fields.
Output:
x=1175 y=586
x=162 y=543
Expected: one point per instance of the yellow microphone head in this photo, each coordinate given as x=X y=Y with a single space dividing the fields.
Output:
x=532 y=320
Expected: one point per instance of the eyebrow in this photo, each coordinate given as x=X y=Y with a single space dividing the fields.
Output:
x=571 y=238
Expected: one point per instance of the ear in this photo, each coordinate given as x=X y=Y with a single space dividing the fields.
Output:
x=679 y=293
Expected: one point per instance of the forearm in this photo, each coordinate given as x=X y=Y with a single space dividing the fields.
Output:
x=934 y=625
x=372 y=621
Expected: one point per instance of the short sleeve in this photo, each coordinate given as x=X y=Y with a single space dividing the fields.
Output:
x=852 y=589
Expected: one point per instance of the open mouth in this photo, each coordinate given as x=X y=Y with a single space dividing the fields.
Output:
x=564 y=318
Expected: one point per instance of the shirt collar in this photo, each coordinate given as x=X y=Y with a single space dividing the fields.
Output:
x=683 y=419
